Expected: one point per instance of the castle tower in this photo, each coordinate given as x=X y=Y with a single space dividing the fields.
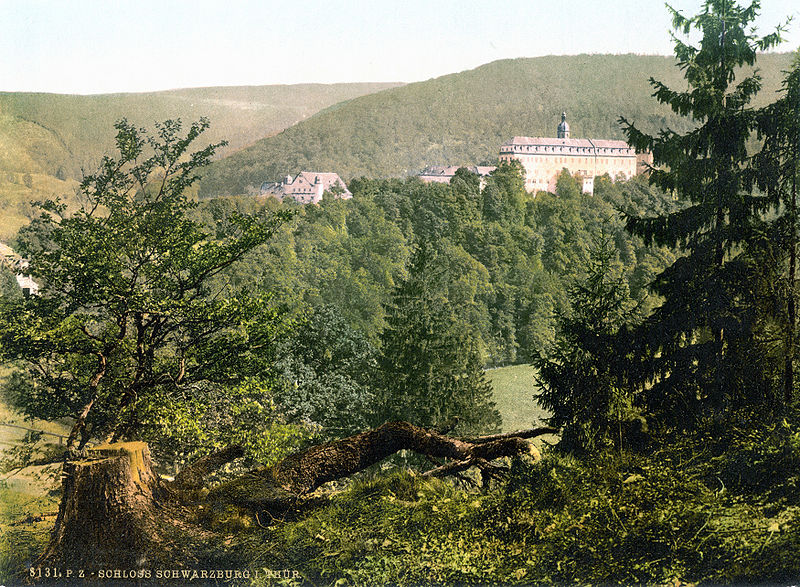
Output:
x=563 y=128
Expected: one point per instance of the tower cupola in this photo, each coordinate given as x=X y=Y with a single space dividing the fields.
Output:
x=563 y=128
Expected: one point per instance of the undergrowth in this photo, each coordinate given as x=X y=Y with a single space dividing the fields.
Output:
x=714 y=507
x=718 y=509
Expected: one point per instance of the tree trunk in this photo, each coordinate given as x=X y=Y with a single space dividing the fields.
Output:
x=788 y=369
x=112 y=513
x=80 y=422
x=303 y=472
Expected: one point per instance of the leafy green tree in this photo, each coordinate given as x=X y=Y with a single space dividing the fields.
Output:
x=697 y=337
x=329 y=369
x=504 y=195
x=126 y=328
x=583 y=374
x=567 y=186
x=431 y=370
x=466 y=182
x=9 y=288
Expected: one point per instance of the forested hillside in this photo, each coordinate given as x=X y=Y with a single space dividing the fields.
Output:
x=507 y=257
x=463 y=118
x=48 y=140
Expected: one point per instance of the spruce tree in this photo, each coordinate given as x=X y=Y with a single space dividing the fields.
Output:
x=583 y=375
x=696 y=338
x=776 y=171
x=431 y=372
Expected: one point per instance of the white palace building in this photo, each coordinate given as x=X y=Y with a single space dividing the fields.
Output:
x=544 y=158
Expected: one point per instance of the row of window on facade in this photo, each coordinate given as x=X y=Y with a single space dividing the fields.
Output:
x=567 y=150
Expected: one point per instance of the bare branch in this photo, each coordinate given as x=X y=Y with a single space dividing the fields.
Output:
x=531 y=433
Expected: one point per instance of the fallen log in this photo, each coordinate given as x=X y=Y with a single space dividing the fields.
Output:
x=115 y=510
x=303 y=472
x=192 y=476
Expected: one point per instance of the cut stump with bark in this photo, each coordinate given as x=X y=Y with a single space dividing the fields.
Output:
x=112 y=512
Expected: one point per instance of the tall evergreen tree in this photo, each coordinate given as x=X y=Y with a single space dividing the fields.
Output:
x=583 y=376
x=431 y=369
x=696 y=336
x=776 y=172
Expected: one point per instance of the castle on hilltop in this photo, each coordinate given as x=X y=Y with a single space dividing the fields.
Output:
x=544 y=158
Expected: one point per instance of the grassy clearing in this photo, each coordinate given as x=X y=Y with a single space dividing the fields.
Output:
x=29 y=496
x=25 y=524
x=18 y=447
x=514 y=387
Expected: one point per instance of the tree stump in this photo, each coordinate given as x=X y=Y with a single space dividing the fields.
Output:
x=107 y=513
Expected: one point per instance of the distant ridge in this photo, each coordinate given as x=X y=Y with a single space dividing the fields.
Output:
x=463 y=118
x=82 y=124
x=46 y=140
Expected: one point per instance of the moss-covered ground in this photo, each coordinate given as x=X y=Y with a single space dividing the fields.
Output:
x=722 y=508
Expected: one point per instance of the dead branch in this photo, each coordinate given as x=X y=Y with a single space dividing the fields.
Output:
x=532 y=433
x=452 y=468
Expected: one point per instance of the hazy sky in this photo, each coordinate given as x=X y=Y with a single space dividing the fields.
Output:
x=96 y=46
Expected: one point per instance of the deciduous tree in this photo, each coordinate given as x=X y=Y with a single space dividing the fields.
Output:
x=125 y=324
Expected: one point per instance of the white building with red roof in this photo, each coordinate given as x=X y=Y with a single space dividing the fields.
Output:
x=307 y=187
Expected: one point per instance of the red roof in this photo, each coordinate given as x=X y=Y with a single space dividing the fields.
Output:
x=553 y=142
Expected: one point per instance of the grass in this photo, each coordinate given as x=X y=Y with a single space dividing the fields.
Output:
x=718 y=508
x=606 y=518
x=514 y=388
x=28 y=497
x=25 y=525
x=15 y=448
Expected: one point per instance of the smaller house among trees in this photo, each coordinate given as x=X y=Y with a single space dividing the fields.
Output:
x=28 y=286
x=19 y=266
x=307 y=187
x=444 y=173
